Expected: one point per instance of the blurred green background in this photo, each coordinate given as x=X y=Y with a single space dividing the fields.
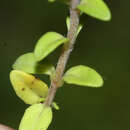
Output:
x=100 y=45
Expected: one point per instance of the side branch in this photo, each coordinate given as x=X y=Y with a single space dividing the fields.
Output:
x=67 y=49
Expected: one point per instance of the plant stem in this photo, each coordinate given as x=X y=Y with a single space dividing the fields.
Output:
x=67 y=49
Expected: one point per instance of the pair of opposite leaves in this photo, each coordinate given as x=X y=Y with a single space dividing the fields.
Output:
x=32 y=90
x=95 y=8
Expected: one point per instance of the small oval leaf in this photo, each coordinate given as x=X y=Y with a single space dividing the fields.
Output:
x=47 y=44
x=84 y=76
x=28 y=88
x=95 y=8
x=28 y=63
x=36 y=117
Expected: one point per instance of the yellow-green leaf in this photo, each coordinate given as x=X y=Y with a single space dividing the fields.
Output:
x=28 y=63
x=28 y=88
x=83 y=76
x=95 y=8
x=36 y=117
x=47 y=44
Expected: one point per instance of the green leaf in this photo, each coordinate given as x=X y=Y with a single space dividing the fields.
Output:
x=84 y=76
x=28 y=63
x=68 y=25
x=36 y=117
x=47 y=44
x=28 y=88
x=95 y=8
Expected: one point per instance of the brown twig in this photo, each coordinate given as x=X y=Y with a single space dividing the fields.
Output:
x=67 y=48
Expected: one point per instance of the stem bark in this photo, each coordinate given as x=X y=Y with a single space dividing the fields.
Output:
x=66 y=51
